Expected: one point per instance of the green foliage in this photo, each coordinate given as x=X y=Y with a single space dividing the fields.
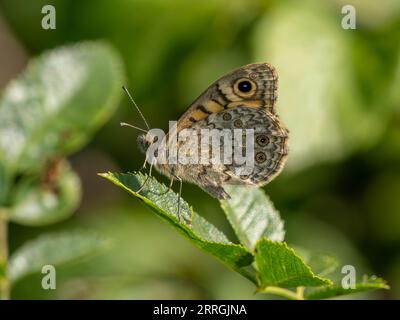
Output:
x=338 y=290
x=280 y=266
x=338 y=94
x=252 y=216
x=54 y=107
x=274 y=265
x=322 y=264
x=201 y=232
x=284 y=33
x=35 y=204
x=47 y=113
x=54 y=249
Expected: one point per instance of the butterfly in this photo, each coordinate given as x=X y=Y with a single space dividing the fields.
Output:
x=242 y=99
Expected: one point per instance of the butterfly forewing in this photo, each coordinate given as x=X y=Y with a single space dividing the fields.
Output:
x=225 y=93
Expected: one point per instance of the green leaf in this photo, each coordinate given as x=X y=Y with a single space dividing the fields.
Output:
x=252 y=215
x=38 y=202
x=280 y=266
x=322 y=264
x=53 y=249
x=372 y=283
x=198 y=230
x=53 y=108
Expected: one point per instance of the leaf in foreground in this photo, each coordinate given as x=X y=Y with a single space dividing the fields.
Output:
x=338 y=290
x=252 y=215
x=321 y=263
x=53 y=249
x=280 y=266
x=197 y=229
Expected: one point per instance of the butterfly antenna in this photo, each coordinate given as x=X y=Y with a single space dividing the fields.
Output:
x=124 y=124
x=136 y=106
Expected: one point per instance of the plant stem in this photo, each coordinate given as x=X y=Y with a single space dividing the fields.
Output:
x=4 y=285
x=300 y=293
x=288 y=294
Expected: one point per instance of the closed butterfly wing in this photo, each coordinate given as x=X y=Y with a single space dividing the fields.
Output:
x=254 y=159
x=268 y=149
x=244 y=98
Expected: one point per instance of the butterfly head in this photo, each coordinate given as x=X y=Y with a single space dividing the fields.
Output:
x=146 y=140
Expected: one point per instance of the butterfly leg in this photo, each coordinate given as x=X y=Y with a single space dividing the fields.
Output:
x=171 y=183
x=174 y=176
x=179 y=198
x=144 y=164
x=147 y=178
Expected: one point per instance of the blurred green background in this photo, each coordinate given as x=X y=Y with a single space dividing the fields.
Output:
x=339 y=95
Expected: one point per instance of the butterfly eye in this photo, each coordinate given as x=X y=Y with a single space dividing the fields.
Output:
x=260 y=157
x=155 y=139
x=244 y=86
x=262 y=140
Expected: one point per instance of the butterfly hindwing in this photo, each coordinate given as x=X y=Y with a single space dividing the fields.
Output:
x=267 y=153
